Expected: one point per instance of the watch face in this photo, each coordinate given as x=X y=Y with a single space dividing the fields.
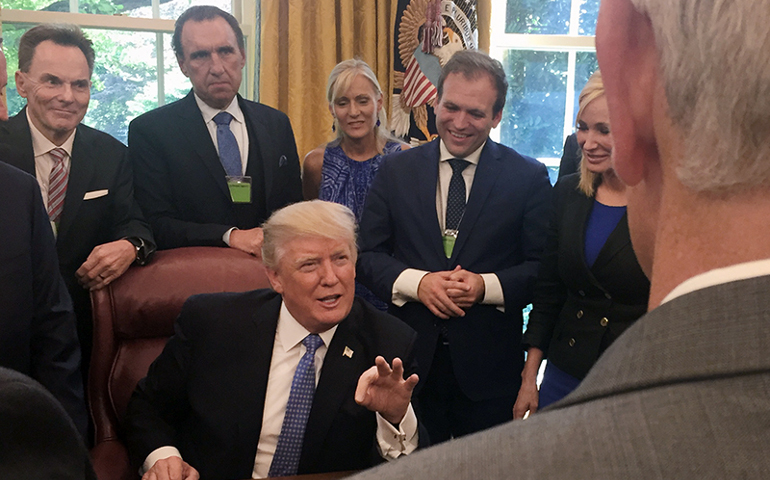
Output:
x=138 y=243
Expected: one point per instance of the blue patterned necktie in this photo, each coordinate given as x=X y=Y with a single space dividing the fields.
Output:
x=289 y=448
x=229 y=154
x=455 y=203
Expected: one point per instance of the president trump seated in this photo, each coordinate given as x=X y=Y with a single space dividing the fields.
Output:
x=304 y=378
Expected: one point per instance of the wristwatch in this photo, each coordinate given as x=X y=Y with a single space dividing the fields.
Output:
x=141 y=249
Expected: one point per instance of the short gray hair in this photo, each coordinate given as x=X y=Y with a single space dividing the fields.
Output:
x=716 y=73
x=316 y=218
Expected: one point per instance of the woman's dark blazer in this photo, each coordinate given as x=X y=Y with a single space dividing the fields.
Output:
x=579 y=311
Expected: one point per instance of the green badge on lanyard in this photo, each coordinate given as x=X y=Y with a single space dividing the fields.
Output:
x=240 y=189
x=449 y=238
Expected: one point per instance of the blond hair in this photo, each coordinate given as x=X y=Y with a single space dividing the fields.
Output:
x=594 y=89
x=340 y=78
x=315 y=218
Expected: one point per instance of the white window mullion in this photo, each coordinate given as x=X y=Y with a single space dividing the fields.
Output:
x=570 y=97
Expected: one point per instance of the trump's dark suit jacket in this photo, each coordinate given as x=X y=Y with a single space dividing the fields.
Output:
x=502 y=231
x=180 y=182
x=579 y=311
x=98 y=164
x=37 y=327
x=205 y=393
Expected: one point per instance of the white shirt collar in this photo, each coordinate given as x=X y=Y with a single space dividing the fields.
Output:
x=472 y=158
x=291 y=333
x=41 y=145
x=718 y=276
x=209 y=112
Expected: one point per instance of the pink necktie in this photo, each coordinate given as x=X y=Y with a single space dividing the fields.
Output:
x=57 y=185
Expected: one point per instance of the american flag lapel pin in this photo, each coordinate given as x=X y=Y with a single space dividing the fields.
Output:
x=348 y=352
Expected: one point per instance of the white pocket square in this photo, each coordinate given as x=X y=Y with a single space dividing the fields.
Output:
x=95 y=194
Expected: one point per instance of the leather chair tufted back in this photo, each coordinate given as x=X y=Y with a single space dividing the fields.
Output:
x=134 y=317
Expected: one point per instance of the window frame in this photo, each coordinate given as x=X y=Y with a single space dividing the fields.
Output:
x=572 y=43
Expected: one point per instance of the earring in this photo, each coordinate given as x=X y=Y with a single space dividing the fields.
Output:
x=334 y=127
x=378 y=122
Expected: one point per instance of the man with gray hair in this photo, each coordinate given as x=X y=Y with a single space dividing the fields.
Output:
x=275 y=383
x=683 y=393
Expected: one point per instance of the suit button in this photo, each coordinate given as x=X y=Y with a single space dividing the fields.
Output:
x=571 y=342
x=582 y=293
x=604 y=321
x=580 y=314
x=608 y=296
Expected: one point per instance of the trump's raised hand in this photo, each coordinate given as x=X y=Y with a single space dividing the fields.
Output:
x=384 y=390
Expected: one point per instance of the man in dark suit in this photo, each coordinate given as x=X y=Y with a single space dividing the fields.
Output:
x=37 y=326
x=83 y=173
x=463 y=297
x=683 y=393
x=39 y=440
x=211 y=167
x=221 y=396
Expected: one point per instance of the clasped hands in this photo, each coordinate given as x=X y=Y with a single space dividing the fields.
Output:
x=447 y=293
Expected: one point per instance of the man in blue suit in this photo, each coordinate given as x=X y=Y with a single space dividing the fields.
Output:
x=451 y=235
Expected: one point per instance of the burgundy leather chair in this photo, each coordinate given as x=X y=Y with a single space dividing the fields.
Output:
x=133 y=319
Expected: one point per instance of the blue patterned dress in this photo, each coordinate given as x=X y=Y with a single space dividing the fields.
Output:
x=347 y=181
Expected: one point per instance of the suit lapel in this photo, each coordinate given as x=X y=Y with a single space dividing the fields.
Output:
x=427 y=181
x=82 y=171
x=483 y=182
x=199 y=139
x=254 y=386
x=339 y=377
x=258 y=140
x=618 y=239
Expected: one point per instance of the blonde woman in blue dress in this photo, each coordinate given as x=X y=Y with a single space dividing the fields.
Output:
x=342 y=170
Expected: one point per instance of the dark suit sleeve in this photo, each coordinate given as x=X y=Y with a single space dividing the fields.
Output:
x=550 y=290
x=128 y=218
x=377 y=268
x=153 y=183
x=160 y=400
x=55 y=351
x=518 y=281
x=570 y=157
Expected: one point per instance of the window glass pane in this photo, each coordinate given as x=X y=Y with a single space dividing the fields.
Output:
x=538 y=16
x=48 y=5
x=177 y=85
x=124 y=81
x=533 y=117
x=143 y=8
x=11 y=35
x=589 y=9
x=585 y=65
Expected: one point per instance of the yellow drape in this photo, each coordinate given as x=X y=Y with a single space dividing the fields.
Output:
x=302 y=40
